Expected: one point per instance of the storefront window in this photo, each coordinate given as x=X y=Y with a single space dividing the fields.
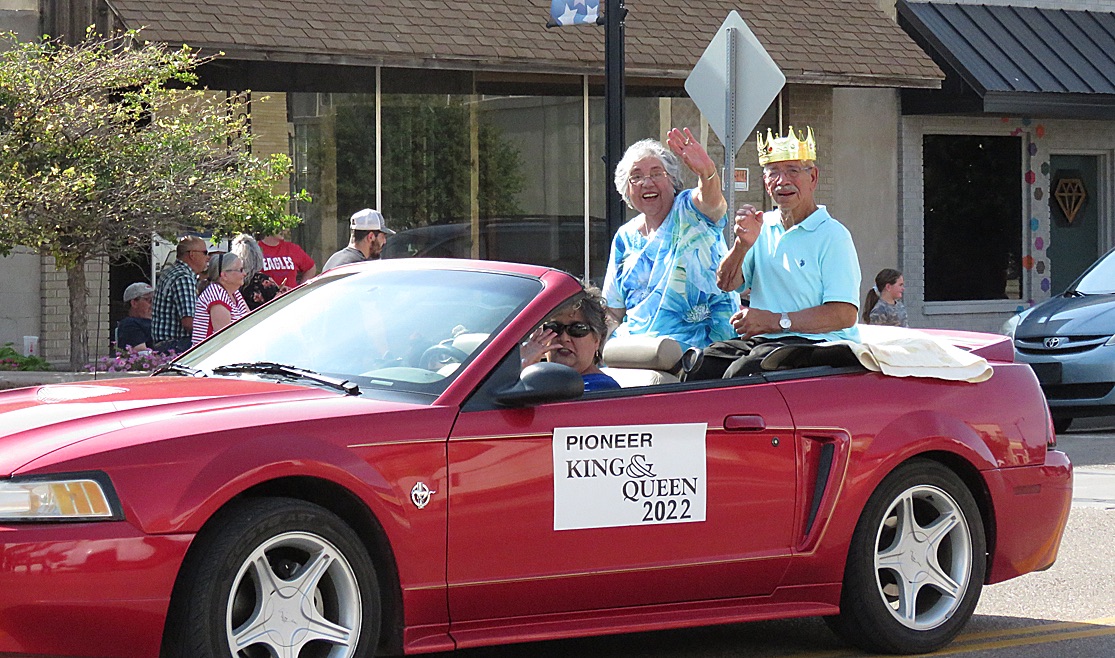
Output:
x=497 y=175
x=973 y=217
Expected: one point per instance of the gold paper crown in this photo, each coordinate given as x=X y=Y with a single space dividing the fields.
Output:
x=791 y=147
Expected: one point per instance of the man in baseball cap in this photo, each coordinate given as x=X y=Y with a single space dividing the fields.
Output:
x=135 y=330
x=369 y=234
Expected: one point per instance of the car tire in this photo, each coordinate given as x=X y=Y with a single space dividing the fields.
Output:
x=1061 y=425
x=271 y=577
x=916 y=563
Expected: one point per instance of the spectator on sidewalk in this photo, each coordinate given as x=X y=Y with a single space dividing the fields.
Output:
x=135 y=330
x=883 y=304
x=258 y=288
x=219 y=302
x=172 y=317
x=285 y=262
x=369 y=234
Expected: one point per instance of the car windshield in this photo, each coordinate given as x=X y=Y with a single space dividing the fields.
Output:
x=1100 y=279
x=380 y=328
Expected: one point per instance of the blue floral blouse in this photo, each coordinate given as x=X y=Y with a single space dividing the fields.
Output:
x=667 y=283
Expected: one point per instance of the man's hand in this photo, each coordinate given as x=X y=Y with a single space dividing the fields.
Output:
x=749 y=222
x=828 y=317
x=749 y=322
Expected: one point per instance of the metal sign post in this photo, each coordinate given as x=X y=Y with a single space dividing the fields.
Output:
x=614 y=112
x=728 y=178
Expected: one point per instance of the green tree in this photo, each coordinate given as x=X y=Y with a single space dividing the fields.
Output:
x=427 y=161
x=105 y=142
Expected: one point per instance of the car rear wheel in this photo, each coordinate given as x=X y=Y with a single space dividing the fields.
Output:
x=916 y=563
x=275 y=578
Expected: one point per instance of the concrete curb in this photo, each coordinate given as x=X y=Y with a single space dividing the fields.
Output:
x=19 y=378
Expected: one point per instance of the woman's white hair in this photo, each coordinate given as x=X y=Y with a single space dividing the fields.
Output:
x=646 y=148
x=250 y=253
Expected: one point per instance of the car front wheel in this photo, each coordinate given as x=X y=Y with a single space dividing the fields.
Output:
x=916 y=563
x=275 y=578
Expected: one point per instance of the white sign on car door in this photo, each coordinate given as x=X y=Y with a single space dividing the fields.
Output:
x=629 y=475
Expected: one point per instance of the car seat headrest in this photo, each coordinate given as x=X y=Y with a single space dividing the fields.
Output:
x=648 y=352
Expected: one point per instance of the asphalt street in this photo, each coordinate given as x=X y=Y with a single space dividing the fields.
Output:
x=1067 y=611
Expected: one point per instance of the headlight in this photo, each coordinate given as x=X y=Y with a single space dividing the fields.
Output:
x=1012 y=322
x=1009 y=326
x=70 y=497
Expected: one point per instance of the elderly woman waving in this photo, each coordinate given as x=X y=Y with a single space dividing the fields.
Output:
x=661 y=278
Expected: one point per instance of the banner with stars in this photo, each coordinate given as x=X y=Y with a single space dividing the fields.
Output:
x=573 y=12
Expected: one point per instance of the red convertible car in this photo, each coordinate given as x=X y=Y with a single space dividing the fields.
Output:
x=362 y=467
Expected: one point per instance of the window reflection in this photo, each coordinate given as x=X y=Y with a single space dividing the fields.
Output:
x=524 y=198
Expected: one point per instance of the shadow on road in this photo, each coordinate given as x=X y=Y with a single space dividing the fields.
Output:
x=985 y=635
x=784 y=637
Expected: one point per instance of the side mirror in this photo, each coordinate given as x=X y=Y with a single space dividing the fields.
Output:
x=543 y=382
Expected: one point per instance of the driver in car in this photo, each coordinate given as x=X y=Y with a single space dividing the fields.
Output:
x=573 y=335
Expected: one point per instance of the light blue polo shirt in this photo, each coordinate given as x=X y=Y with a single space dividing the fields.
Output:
x=812 y=263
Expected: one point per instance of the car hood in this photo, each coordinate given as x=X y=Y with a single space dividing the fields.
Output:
x=36 y=421
x=1089 y=315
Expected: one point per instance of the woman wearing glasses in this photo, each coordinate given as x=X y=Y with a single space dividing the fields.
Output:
x=661 y=278
x=258 y=288
x=219 y=302
x=573 y=335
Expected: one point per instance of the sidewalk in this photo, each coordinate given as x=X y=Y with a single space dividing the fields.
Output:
x=17 y=379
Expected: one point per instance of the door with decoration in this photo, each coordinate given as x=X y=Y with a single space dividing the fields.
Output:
x=1074 y=212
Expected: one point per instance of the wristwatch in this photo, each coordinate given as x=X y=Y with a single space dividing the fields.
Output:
x=784 y=322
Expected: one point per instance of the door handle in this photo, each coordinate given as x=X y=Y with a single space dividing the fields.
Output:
x=744 y=423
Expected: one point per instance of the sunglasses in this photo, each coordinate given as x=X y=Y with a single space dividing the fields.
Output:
x=576 y=329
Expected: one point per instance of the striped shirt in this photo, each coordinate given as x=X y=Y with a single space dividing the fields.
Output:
x=215 y=295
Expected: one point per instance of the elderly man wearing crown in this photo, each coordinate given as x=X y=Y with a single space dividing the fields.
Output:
x=799 y=262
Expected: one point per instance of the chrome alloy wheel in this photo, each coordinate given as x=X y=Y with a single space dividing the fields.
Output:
x=295 y=596
x=923 y=557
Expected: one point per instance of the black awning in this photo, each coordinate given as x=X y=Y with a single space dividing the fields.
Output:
x=1021 y=61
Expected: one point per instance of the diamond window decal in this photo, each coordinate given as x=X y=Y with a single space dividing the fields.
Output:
x=1070 y=195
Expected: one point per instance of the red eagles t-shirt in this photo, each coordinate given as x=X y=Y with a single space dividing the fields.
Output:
x=284 y=262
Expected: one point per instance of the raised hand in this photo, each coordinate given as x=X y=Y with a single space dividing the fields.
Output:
x=748 y=223
x=690 y=152
x=541 y=342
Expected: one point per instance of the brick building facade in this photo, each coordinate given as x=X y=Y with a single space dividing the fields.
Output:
x=344 y=80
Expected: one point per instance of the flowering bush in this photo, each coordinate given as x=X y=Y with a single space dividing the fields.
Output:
x=13 y=360
x=130 y=359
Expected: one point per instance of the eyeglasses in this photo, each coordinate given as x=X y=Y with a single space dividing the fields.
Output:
x=221 y=264
x=575 y=330
x=788 y=172
x=196 y=251
x=653 y=176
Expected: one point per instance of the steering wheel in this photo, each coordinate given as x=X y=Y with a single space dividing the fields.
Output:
x=439 y=355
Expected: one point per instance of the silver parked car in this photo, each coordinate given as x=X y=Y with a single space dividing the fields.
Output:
x=1069 y=341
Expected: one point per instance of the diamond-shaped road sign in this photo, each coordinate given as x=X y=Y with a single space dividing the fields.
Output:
x=749 y=81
